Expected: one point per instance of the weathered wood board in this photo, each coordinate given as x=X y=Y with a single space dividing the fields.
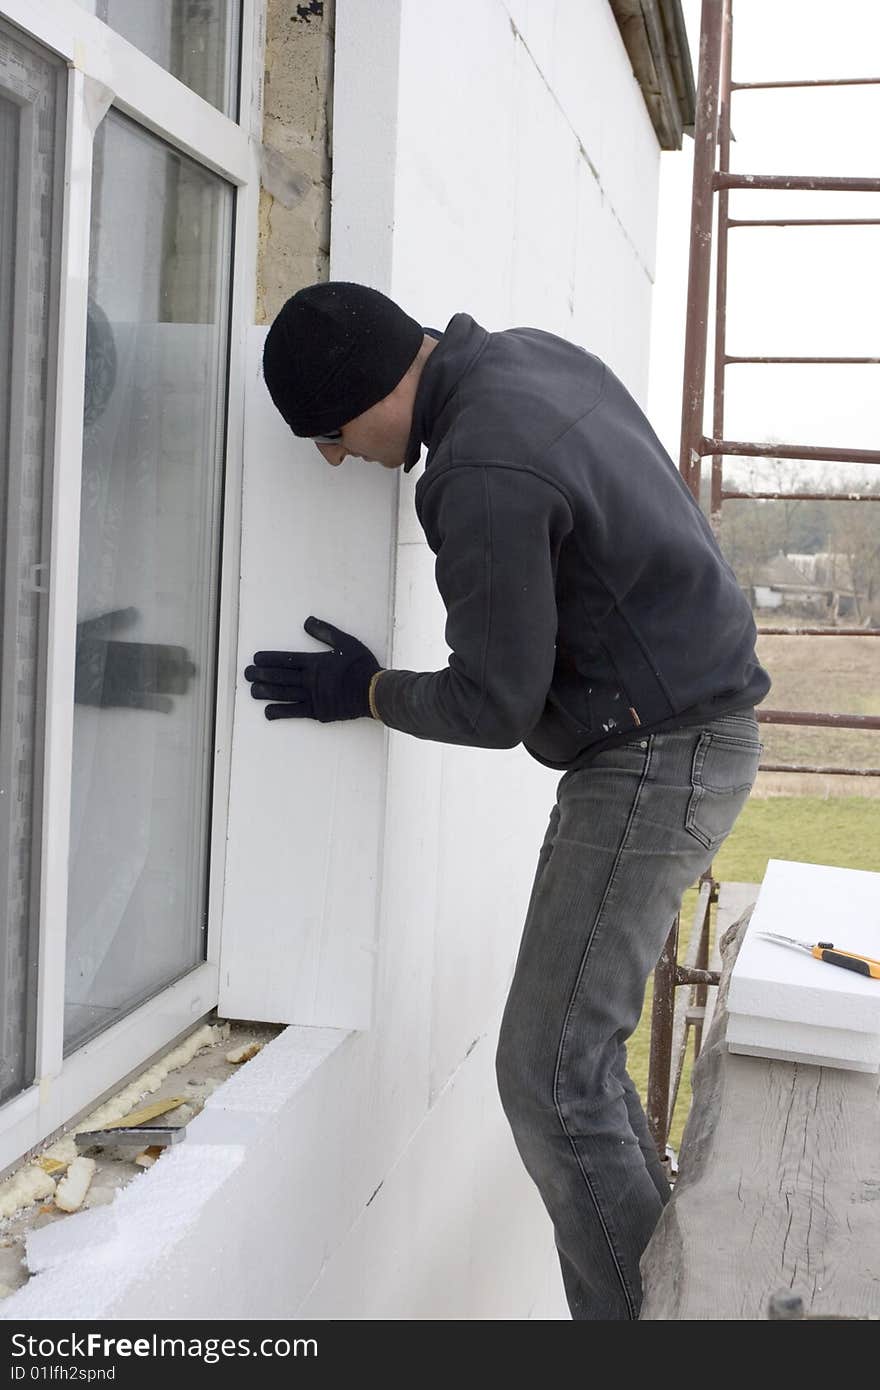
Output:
x=778 y=1188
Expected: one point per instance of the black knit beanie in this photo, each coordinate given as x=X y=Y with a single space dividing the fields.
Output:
x=334 y=350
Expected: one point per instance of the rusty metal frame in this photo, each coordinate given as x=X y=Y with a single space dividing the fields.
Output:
x=673 y=1017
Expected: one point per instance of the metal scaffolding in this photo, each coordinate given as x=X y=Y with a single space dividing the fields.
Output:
x=713 y=181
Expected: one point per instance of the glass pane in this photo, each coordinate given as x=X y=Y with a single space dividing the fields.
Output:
x=154 y=415
x=28 y=206
x=195 y=40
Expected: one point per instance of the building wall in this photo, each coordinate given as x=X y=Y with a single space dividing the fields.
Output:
x=525 y=194
x=494 y=157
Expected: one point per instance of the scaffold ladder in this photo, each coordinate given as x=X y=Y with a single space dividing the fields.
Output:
x=713 y=180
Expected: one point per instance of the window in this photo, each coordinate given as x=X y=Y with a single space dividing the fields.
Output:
x=30 y=100
x=196 y=40
x=128 y=214
x=154 y=416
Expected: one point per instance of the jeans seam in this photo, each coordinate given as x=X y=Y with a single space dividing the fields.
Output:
x=731 y=741
x=630 y=1301
x=707 y=739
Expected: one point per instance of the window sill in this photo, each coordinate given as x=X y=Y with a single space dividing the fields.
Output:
x=101 y=1066
x=140 y=1232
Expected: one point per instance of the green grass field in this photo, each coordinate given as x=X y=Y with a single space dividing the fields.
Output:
x=835 y=830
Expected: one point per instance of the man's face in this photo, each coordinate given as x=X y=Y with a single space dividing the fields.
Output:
x=380 y=435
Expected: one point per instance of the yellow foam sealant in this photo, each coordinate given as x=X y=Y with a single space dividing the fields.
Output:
x=29 y=1184
x=35 y=1180
x=71 y=1190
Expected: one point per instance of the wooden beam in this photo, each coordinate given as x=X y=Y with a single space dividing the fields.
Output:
x=778 y=1177
x=655 y=39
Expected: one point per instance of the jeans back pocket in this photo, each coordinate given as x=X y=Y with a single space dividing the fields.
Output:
x=722 y=774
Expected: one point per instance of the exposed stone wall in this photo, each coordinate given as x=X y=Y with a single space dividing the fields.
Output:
x=294 y=244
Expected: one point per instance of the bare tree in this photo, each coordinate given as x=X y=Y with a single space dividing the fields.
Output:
x=855 y=538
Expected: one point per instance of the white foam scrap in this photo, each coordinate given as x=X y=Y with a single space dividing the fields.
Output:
x=81 y=1237
x=28 y=1185
x=149 y=1218
x=75 y=1184
x=285 y=1065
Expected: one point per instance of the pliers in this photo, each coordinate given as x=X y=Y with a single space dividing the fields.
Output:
x=826 y=951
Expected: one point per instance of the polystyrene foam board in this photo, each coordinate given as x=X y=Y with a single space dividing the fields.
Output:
x=786 y=1003
x=822 y=1047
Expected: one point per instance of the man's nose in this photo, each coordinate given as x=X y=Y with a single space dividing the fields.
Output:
x=332 y=453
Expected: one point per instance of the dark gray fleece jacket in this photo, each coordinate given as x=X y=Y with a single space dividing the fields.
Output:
x=587 y=600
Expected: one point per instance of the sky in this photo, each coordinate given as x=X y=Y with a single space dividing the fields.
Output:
x=791 y=291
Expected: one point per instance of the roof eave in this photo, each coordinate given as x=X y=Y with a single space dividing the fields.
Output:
x=654 y=34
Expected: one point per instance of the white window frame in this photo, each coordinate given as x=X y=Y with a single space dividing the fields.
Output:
x=104 y=70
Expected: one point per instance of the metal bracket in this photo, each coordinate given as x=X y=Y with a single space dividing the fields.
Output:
x=134 y=1134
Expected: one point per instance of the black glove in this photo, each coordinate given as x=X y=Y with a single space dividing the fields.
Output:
x=316 y=685
x=130 y=675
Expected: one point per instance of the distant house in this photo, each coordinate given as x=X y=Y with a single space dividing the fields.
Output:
x=779 y=581
x=826 y=568
x=821 y=583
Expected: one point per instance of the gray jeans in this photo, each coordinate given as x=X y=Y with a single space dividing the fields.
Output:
x=628 y=835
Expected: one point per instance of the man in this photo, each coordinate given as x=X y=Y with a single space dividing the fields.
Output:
x=591 y=618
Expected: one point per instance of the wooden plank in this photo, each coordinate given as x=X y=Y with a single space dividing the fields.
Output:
x=733 y=900
x=778 y=1188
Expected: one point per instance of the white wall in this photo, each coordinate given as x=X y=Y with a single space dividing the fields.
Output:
x=527 y=174
x=524 y=190
x=526 y=186
x=495 y=158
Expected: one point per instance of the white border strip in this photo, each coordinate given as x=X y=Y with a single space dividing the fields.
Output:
x=64 y=571
x=244 y=294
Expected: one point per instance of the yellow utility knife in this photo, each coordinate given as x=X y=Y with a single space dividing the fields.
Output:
x=832 y=955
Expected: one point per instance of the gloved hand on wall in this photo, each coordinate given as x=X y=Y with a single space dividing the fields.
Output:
x=316 y=685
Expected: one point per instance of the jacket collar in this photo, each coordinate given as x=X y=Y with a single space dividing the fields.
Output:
x=455 y=353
